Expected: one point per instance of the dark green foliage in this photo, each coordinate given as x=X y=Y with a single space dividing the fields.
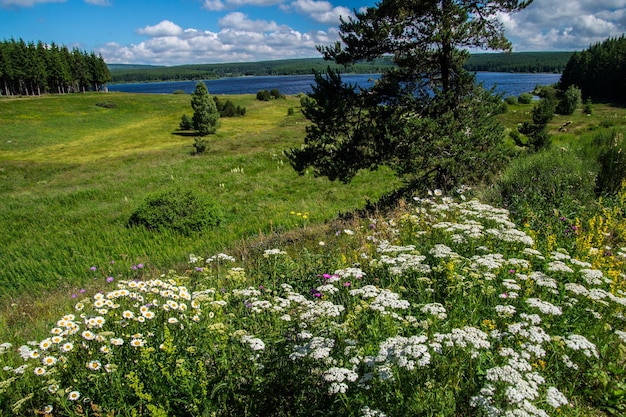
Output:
x=180 y=211
x=107 y=104
x=612 y=160
x=511 y=100
x=529 y=62
x=599 y=71
x=525 y=98
x=508 y=62
x=425 y=117
x=537 y=131
x=543 y=182
x=228 y=109
x=179 y=92
x=29 y=69
x=205 y=114
x=186 y=123
x=570 y=100
x=200 y=145
x=275 y=94
x=588 y=107
x=263 y=95
x=290 y=111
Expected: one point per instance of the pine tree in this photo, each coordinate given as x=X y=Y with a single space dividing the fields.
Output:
x=424 y=117
x=205 y=114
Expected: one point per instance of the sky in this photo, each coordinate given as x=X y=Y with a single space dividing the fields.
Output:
x=177 y=32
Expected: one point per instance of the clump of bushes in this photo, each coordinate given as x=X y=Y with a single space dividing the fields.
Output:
x=266 y=95
x=525 y=98
x=107 y=104
x=511 y=100
x=180 y=211
x=228 y=109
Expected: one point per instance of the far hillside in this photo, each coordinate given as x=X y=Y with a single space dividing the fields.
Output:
x=530 y=62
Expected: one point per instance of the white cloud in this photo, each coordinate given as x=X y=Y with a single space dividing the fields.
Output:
x=239 y=39
x=98 y=2
x=321 y=11
x=164 y=28
x=240 y=21
x=16 y=4
x=565 y=24
x=217 y=5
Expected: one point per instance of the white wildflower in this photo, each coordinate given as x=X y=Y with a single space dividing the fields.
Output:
x=544 y=306
x=555 y=398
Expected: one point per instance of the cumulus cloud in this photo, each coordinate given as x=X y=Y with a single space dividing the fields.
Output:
x=16 y=4
x=565 y=24
x=217 y=5
x=164 y=28
x=239 y=39
x=321 y=11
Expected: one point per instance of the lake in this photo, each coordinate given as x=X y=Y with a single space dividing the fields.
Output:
x=510 y=84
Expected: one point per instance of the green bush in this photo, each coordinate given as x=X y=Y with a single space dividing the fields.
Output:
x=200 y=145
x=181 y=211
x=107 y=104
x=525 y=98
x=569 y=101
x=551 y=181
x=263 y=95
x=511 y=100
x=186 y=123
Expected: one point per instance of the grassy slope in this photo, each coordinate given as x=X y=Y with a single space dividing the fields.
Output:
x=71 y=174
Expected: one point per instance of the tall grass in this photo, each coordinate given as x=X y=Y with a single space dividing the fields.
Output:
x=443 y=307
x=72 y=173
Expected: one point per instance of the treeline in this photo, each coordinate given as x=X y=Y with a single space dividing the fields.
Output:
x=599 y=71
x=34 y=69
x=528 y=62
x=553 y=62
x=305 y=66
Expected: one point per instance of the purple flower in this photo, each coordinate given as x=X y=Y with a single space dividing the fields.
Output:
x=198 y=268
x=73 y=295
x=82 y=290
x=109 y=279
x=140 y=266
x=94 y=268
x=347 y=284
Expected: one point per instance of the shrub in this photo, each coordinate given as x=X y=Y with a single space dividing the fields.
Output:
x=275 y=94
x=179 y=92
x=511 y=100
x=228 y=109
x=263 y=95
x=525 y=98
x=290 y=111
x=108 y=104
x=181 y=211
x=200 y=145
x=588 y=107
x=186 y=123
x=569 y=101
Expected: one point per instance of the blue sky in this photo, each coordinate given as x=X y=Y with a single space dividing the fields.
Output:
x=175 y=32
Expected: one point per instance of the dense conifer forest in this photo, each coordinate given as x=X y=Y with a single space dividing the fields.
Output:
x=599 y=71
x=496 y=62
x=34 y=69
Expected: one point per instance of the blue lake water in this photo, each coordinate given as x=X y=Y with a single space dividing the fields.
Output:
x=510 y=84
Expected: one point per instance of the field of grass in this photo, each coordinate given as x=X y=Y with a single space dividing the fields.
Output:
x=71 y=173
x=445 y=306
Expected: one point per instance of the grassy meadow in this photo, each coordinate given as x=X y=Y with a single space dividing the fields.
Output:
x=71 y=173
x=507 y=299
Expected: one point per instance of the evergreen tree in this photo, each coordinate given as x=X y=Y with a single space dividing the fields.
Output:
x=424 y=117
x=205 y=114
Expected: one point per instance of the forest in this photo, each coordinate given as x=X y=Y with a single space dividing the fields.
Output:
x=35 y=69
x=599 y=71
x=496 y=62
